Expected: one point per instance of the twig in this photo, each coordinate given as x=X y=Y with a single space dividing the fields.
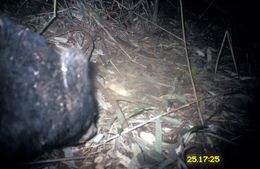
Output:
x=127 y=130
x=114 y=40
x=155 y=11
x=67 y=6
x=52 y=19
x=203 y=13
x=48 y=13
x=116 y=68
x=133 y=6
x=231 y=50
x=109 y=35
x=189 y=66
x=56 y=160
x=18 y=10
x=177 y=37
x=221 y=138
x=220 y=51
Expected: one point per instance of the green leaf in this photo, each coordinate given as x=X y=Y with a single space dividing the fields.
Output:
x=174 y=122
x=120 y=130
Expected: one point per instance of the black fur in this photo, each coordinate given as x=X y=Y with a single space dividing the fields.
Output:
x=46 y=100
